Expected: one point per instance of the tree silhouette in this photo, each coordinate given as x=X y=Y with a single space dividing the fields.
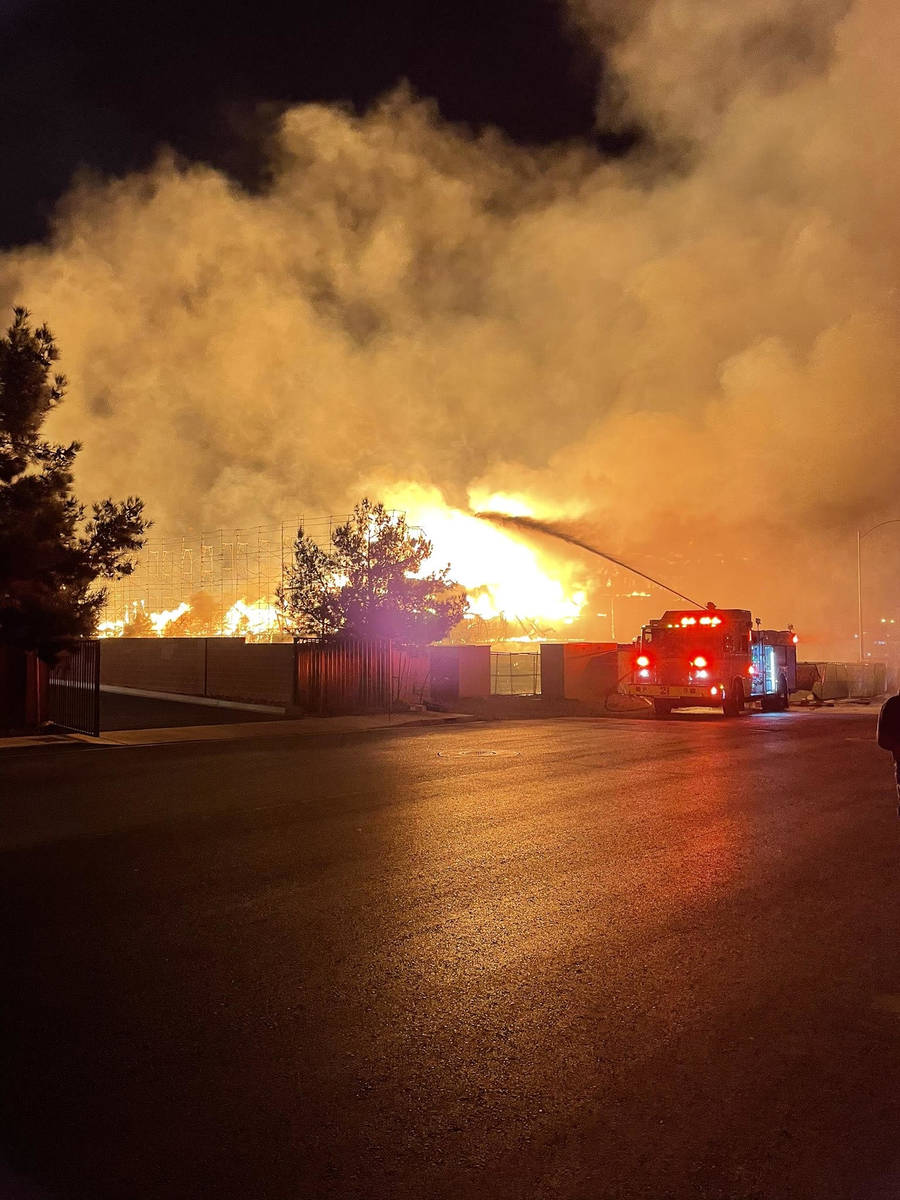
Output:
x=369 y=583
x=52 y=559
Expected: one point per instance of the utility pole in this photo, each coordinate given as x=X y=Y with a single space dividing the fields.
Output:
x=859 y=594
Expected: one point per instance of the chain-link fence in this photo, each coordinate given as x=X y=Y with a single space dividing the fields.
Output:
x=516 y=674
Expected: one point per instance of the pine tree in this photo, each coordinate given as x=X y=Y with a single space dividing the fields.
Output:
x=53 y=558
x=309 y=600
x=369 y=583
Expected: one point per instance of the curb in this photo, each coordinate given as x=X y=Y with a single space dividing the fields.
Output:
x=200 y=701
x=182 y=735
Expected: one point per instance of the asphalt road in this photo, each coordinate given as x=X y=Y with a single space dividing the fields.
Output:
x=581 y=959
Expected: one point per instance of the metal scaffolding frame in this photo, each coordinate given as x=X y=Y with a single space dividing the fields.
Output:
x=246 y=563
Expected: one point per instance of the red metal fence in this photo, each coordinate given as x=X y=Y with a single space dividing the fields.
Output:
x=344 y=677
x=359 y=676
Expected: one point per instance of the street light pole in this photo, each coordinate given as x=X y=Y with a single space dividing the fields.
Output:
x=859 y=595
x=859 y=537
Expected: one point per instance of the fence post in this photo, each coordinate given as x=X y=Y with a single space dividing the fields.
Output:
x=98 y=650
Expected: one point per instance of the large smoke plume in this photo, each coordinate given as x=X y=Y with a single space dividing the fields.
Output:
x=692 y=351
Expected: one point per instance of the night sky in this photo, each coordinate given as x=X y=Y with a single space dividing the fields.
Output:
x=104 y=85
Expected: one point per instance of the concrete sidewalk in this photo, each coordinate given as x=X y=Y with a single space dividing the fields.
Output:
x=303 y=727
x=24 y=740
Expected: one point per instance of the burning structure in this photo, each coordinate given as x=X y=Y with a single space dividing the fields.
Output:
x=224 y=583
x=691 y=351
x=236 y=572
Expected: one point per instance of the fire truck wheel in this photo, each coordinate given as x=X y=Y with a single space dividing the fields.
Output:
x=662 y=708
x=737 y=690
x=731 y=702
x=784 y=696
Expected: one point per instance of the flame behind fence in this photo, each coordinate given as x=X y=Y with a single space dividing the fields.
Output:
x=239 y=569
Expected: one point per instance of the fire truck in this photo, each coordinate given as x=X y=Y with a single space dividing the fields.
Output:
x=713 y=656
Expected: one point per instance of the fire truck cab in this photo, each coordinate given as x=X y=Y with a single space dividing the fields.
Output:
x=713 y=656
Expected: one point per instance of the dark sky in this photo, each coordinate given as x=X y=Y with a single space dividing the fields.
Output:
x=104 y=84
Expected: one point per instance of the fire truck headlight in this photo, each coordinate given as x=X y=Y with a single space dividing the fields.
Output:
x=643 y=661
x=699 y=661
x=714 y=691
x=644 y=673
x=701 y=674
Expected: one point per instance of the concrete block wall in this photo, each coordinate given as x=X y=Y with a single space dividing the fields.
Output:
x=154 y=664
x=474 y=670
x=220 y=668
x=460 y=671
x=580 y=670
x=254 y=671
x=553 y=671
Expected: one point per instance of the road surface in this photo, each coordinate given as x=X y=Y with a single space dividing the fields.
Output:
x=580 y=958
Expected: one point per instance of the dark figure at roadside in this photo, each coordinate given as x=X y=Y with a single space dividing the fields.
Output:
x=889 y=735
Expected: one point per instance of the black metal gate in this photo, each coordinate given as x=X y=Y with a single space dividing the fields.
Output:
x=74 y=689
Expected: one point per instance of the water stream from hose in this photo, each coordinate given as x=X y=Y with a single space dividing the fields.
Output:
x=531 y=525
